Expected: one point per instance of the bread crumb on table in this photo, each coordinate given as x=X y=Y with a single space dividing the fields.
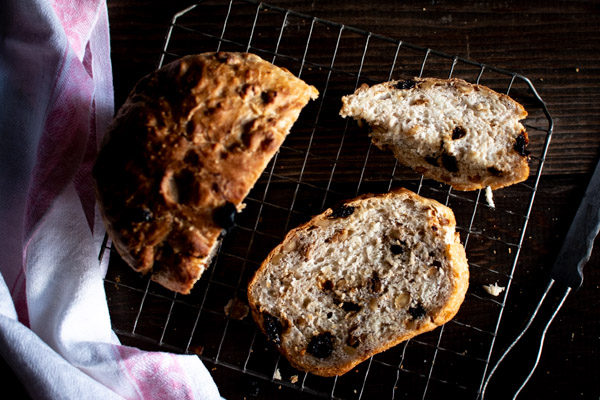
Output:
x=494 y=289
x=236 y=309
x=198 y=350
x=277 y=375
x=294 y=378
x=489 y=197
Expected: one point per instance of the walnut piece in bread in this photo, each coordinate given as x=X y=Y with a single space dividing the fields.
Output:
x=183 y=152
x=466 y=135
x=380 y=269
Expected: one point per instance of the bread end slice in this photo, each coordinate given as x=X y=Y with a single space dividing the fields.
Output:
x=183 y=152
x=359 y=279
x=455 y=132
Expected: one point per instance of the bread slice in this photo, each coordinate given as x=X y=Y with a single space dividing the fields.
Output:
x=447 y=129
x=184 y=151
x=359 y=279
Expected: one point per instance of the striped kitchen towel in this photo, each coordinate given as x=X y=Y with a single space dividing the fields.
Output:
x=56 y=100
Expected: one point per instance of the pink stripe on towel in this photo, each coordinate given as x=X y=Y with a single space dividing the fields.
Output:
x=156 y=375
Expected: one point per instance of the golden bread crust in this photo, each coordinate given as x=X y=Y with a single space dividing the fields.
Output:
x=462 y=134
x=295 y=353
x=183 y=152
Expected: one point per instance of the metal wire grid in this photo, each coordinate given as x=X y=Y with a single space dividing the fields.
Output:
x=421 y=367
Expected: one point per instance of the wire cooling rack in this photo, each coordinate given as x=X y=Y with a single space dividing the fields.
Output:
x=326 y=159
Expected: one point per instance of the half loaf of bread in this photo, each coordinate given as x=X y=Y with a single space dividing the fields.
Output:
x=359 y=279
x=455 y=132
x=183 y=152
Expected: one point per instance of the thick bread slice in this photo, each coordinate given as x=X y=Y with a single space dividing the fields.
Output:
x=184 y=151
x=359 y=279
x=447 y=129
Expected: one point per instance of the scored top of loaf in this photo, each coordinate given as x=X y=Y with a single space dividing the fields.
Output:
x=183 y=152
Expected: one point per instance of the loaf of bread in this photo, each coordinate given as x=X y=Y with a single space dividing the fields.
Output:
x=183 y=152
x=465 y=135
x=359 y=279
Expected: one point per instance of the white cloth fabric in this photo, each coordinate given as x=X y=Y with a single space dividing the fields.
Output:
x=56 y=101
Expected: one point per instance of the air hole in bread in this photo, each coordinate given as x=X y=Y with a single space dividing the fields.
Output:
x=267 y=143
x=164 y=252
x=306 y=302
x=494 y=171
x=432 y=160
x=419 y=102
x=449 y=162
x=179 y=188
x=406 y=84
x=349 y=306
x=249 y=90
x=458 y=132
x=417 y=312
x=375 y=283
x=191 y=158
x=396 y=249
x=190 y=128
x=352 y=341
x=184 y=181
x=401 y=300
x=268 y=96
x=247 y=138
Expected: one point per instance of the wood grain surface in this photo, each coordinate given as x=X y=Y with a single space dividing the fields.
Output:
x=555 y=44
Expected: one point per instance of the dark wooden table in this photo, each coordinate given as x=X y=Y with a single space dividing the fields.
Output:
x=557 y=46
